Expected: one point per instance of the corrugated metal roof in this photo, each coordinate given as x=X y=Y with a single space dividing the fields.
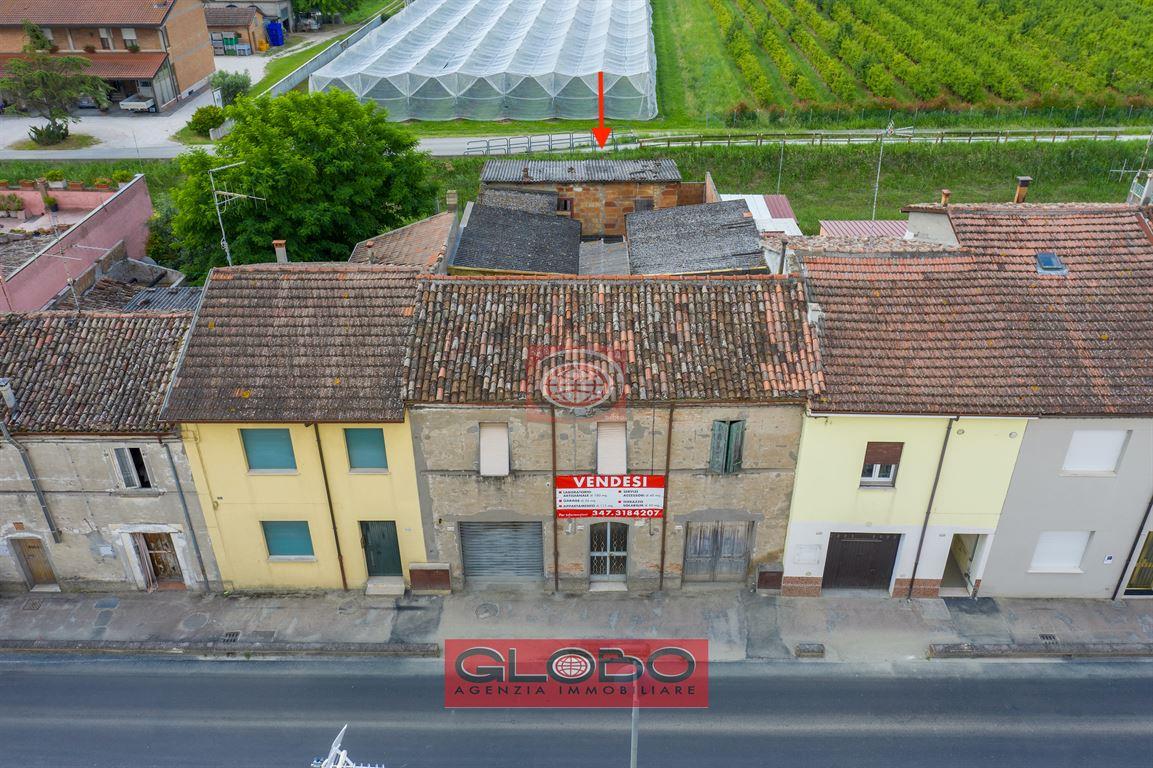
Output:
x=863 y=228
x=577 y=171
x=768 y=213
x=168 y=298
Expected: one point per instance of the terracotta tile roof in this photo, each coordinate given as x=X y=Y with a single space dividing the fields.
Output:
x=984 y=333
x=863 y=228
x=84 y=13
x=678 y=339
x=297 y=342
x=216 y=16
x=577 y=171
x=89 y=373
x=419 y=244
x=111 y=66
x=105 y=294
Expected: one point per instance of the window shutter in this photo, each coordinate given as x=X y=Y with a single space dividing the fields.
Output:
x=1095 y=450
x=883 y=453
x=494 y=460
x=612 y=451
x=268 y=449
x=719 y=446
x=127 y=471
x=736 y=446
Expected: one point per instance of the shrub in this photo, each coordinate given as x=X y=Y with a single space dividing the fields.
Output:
x=741 y=115
x=231 y=84
x=55 y=175
x=46 y=135
x=205 y=119
x=122 y=176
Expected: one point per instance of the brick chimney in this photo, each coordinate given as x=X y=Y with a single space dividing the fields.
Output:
x=1023 y=183
x=945 y=195
x=280 y=246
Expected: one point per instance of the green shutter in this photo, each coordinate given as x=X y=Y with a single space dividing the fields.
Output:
x=719 y=447
x=365 y=448
x=736 y=446
x=268 y=449
x=287 y=539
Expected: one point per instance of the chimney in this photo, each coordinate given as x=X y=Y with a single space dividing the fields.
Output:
x=450 y=200
x=945 y=195
x=281 y=251
x=7 y=394
x=1023 y=183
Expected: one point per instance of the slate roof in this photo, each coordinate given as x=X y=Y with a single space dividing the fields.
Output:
x=297 y=343
x=714 y=237
x=89 y=373
x=534 y=201
x=476 y=340
x=84 y=13
x=502 y=240
x=577 y=171
x=982 y=332
x=419 y=244
x=863 y=228
x=218 y=16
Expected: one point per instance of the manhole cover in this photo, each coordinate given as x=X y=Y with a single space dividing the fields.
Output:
x=230 y=637
x=1047 y=638
x=32 y=604
x=487 y=610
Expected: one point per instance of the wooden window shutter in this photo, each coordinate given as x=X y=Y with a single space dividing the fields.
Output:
x=719 y=446
x=736 y=445
x=883 y=453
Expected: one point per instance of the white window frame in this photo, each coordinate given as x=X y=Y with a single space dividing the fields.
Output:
x=126 y=474
x=877 y=478
x=128 y=35
x=105 y=34
x=1053 y=539
x=1098 y=435
x=47 y=32
x=493 y=449
x=612 y=448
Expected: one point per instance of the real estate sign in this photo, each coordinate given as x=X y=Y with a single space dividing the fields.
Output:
x=610 y=495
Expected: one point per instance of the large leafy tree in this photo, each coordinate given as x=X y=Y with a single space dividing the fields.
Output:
x=331 y=172
x=49 y=86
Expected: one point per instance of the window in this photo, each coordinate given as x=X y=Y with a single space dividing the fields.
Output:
x=106 y=38
x=643 y=204
x=129 y=36
x=133 y=470
x=287 y=539
x=47 y=33
x=564 y=204
x=494 y=449
x=1095 y=451
x=727 y=447
x=1060 y=551
x=365 y=449
x=612 y=455
x=880 y=466
x=268 y=450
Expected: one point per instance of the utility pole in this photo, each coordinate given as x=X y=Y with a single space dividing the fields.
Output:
x=880 y=156
x=228 y=197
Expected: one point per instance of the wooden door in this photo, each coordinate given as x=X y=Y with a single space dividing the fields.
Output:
x=381 y=548
x=717 y=551
x=161 y=555
x=35 y=561
x=861 y=560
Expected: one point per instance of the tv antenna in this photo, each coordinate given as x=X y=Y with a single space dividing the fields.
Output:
x=220 y=200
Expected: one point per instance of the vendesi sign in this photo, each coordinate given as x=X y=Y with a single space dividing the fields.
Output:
x=610 y=496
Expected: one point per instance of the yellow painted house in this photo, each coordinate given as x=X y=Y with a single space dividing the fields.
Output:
x=288 y=397
x=906 y=457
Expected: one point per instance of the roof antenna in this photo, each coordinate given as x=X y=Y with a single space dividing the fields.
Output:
x=228 y=197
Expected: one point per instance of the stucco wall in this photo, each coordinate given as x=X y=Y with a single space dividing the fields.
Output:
x=447 y=441
x=1042 y=497
x=235 y=501
x=94 y=511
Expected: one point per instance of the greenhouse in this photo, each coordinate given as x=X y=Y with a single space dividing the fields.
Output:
x=504 y=59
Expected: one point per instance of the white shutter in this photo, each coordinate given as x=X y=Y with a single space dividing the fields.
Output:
x=494 y=449
x=1095 y=450
x=612 y=455
x=1060 y=550
x=127 y=470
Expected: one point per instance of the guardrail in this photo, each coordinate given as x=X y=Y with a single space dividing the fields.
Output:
x=545 y=142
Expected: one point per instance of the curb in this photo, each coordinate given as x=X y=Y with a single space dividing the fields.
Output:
x=1040 y=650
x=217 y=648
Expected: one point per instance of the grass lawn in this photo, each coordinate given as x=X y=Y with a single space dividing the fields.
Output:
x=277 y=69
x=74 y=141
x=187 y=136
x=369 y=8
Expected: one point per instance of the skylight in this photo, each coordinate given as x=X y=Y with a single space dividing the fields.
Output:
x=1049 y=263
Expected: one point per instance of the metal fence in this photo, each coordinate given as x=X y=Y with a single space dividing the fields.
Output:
x=909 y=135
x=545 y=142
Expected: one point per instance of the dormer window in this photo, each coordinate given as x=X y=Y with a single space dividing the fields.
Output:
x=1049 y=263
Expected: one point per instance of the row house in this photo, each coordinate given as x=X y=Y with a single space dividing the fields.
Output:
x=157 y=49
x=522 y=391
x=95 y=489
x=288 y=398
x=985 y=425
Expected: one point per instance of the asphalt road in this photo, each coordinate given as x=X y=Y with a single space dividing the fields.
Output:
x=130 y=713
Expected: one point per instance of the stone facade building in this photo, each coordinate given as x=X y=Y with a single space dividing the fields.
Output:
x=95 y=491
x=694 y=396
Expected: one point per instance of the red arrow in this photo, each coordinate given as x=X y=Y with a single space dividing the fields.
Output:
x=601 y=133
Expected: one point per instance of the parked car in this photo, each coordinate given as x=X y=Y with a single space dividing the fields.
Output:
x=138 y=103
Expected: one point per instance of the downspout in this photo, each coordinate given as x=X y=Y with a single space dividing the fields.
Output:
x=665 y=511
x=1136 y=545
x=331 y=510
x=555 y=520
x=929 y=508
x=187 y=514
x=40 y=497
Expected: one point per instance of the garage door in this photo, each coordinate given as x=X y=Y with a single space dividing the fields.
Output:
x=861 y=560
x=502 y=551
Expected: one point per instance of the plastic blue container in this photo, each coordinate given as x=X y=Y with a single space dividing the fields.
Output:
x=275 y=33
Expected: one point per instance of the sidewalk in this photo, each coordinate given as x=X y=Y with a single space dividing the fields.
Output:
x=852 y=628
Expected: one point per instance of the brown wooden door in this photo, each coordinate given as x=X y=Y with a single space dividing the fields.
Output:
x=162 y=568
x=861 y=560
x=36 y=561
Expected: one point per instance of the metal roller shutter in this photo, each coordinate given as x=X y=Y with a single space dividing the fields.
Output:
x=504 y=551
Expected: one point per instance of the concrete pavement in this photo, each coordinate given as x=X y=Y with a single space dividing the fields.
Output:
x=154 y=713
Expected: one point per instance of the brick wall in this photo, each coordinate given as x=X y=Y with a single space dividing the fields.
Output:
x=189 y=47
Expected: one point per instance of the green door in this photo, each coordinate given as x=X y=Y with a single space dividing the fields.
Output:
x=381 y=549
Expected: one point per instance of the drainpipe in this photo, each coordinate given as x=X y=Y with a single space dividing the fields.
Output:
x=35 y=480
x=555 y=520
x=1136 y=542
x=331 y=510
x=929 y=508
x=665 y=511
x=187 y=514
